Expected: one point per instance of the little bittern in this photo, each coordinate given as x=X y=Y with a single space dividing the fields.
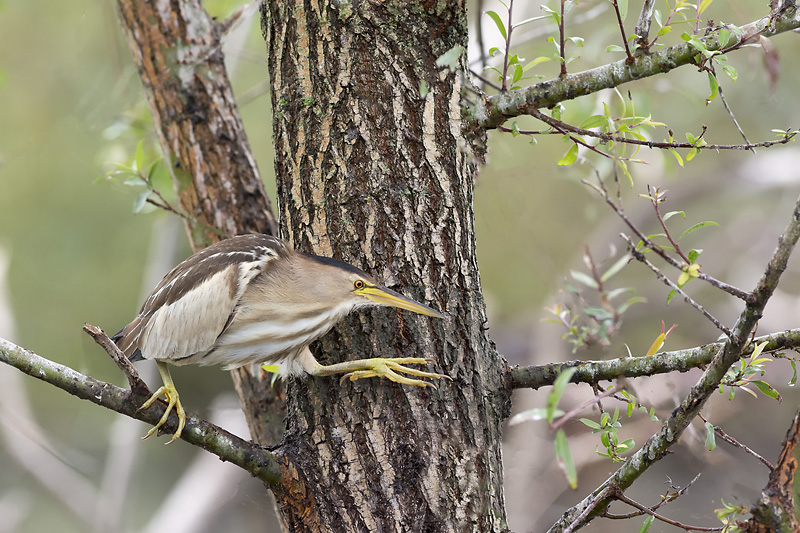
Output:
x=251 y=299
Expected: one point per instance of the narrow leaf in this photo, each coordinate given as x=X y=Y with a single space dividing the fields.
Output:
x=697 y=227
x=564 y=458
x=711 y=442
x=767 y=390
x=498 y=22
x=569 y=157
x=615 y=268
x=593 y=122
x=584 y=278
x=648 y=521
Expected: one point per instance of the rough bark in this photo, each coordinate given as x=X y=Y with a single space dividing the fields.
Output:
x=374 y=171
x=180 y=61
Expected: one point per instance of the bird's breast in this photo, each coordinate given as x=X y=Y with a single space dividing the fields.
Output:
x=259 y=337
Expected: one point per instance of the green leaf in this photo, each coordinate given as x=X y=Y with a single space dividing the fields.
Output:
x=535 y=62
x=767 y=389
x=710 y=437
x=794 y=374
x=591 y=423
x=140 y=201
x=423 y=89
x=515 y=129
x=615 y=268
x=526 y=21
x=694 y=254
x=677 y=156
x=730 y=71
x=569 y=157
x=673 y=213
x=714 y=85
x=703 y=6
x=724 y=37
x=671 y=295
x=648 y=521
x=614 y=48
x=564 y=458
x=138 y=163
x=697 y=227
x=559 y=385
x=664 y=30
x=498 y=22
x=623 y=9
x=593 y=122
x=584 y=278
x=517 y=75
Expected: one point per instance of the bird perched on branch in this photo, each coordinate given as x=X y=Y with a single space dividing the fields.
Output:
x=251 y=299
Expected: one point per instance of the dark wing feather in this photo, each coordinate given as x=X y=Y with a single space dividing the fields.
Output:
x=194 y=302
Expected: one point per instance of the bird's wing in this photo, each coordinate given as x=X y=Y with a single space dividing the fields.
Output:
x=194 y=303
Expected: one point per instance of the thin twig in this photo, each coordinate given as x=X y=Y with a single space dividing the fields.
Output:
x=748 y=297
x=581 y=407
x=639 y=256
x=619 y=495
x=564 y=127
x=486 y=80
x=630 y=60
x=561 y=41
x=131 y=374
x=509 y=29
x=733 y=442
x=733 y=117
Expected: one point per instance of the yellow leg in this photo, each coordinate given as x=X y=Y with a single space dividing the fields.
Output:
x=171 y=394
x=380 y=367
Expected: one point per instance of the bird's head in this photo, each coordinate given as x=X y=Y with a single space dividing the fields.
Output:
x=343 y=283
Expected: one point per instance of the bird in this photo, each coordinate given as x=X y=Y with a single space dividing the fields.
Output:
x=253 y=299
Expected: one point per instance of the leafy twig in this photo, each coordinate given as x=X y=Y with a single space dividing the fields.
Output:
x=730 y=440
x=563 y=127
x=639 y=256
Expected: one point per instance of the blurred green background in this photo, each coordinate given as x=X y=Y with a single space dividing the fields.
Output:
x=72 y=251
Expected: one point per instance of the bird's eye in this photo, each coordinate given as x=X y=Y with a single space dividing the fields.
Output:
x=359 y=284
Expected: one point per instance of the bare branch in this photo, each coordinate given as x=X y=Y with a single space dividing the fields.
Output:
x=736 y=444
x=534 y=377
x=228 y=447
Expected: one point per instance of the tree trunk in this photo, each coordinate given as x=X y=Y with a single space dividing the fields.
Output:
x=376 y=170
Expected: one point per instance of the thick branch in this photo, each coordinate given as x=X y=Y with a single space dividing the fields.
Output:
x=496 y=109
x=228 y=447
x=680 y=418
x=632 y=367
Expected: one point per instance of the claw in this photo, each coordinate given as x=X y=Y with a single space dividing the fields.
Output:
x=173 y=402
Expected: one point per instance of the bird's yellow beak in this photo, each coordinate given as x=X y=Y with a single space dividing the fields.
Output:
x=384 y=296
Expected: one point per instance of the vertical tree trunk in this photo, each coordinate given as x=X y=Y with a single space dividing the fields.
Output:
x=374 y=169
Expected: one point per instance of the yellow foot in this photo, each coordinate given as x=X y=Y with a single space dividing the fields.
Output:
x=171 y=395
x=383 y=368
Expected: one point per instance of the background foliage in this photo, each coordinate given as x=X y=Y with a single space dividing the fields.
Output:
x=71 y=105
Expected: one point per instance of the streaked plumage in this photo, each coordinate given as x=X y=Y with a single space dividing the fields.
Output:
x=252 y=299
